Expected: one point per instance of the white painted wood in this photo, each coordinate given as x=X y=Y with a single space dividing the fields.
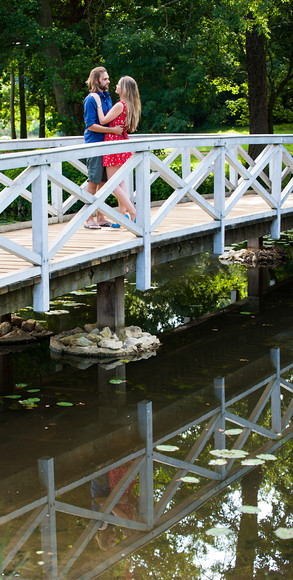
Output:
x=143 y=199
x=20 y=251
x=69 y=186
x=56 y=192
x=251 y=163
x=219 y=199
x=20 y=183
x=275 y=169
x=218 y=208
x=41 y=296
x=20 y=276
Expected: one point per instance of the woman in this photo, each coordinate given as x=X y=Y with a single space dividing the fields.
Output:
x=125 y=113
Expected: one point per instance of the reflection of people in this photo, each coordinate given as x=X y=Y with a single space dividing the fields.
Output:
x=126 y=507
x=98 y=82
x=125 y=113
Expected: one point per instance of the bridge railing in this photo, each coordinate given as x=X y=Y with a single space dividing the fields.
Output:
x=264 y=429
x=198 y=158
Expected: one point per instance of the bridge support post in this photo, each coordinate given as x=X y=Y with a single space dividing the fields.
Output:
x=48 y=525
x=56 y=193
x=257 y=278
x=146 y=476
x=143 y=218
x=219 y=200
x=276 y=412
x=276 y=179
x=110 y=304
x=41 y=296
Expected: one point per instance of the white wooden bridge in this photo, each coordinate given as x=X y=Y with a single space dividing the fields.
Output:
x=206 y=433
x=247 y=199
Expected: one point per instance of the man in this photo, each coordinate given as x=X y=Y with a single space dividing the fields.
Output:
x=98 y=82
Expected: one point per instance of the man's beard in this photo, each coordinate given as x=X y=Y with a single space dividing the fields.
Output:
x=102 y=88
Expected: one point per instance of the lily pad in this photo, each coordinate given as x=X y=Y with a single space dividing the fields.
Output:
x=116 y=381
x=21 y=385
x=233 y=431
x=33 y=390
x=64 y=404
x=189 y=479
x=218 y=532
x=218 y=461
x=249 y=509
x=229 y=453
x=266 y=457
x=167 y=448
x=284 y=533
x=252 y=462
x=12 y=396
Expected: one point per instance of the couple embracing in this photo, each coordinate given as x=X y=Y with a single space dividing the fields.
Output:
x=105 y=122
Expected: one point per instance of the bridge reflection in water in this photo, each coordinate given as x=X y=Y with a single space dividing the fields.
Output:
x=144 y=492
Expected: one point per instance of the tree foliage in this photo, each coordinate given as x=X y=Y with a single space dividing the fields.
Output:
x=195 y=62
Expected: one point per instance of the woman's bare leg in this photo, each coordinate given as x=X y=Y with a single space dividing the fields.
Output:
x=121 y=194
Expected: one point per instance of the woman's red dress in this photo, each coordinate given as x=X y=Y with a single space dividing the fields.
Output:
x=117 y=158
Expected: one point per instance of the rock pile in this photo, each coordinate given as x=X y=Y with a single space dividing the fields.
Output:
x=130 y=341
x=19 y=330
x=272 y=257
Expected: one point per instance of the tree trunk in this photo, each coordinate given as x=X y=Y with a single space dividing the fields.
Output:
x=23 y=130
x=42 y=125
x=257 y=86
x=12 y=108
x=65 y=108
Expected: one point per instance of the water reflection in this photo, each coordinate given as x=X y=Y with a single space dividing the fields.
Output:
x=73 y=527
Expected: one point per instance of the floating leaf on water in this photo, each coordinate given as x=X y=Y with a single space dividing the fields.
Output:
x=167 y=448
x=249 y=509
x=218 y=532
x=252 y=462
x=233 y=431
x=11 y=396
x=229 y=453
x=189 y=479
x=64 y=404
x=33 y=390
x=116 y=381
x=218 y=461
x=243 y=312
x=266 y=457
x=284 y=533
x=20 y=385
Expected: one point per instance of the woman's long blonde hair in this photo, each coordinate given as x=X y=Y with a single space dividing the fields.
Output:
x=130 y=94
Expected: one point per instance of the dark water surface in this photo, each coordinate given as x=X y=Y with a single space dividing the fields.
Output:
x=229 y=371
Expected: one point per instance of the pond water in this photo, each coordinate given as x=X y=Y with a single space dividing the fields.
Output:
x=221 y=383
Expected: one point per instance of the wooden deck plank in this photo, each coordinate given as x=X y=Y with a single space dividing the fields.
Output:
x=84 y=240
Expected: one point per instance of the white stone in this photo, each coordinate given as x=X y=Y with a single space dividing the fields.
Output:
x=111 y=344
x=83 y=341
x=106 y=332
x=95 y=338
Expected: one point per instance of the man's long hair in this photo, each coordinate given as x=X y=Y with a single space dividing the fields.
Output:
x=94 y=78
x=130 y=94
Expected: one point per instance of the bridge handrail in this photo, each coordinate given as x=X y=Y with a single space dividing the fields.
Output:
x=213 y=153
